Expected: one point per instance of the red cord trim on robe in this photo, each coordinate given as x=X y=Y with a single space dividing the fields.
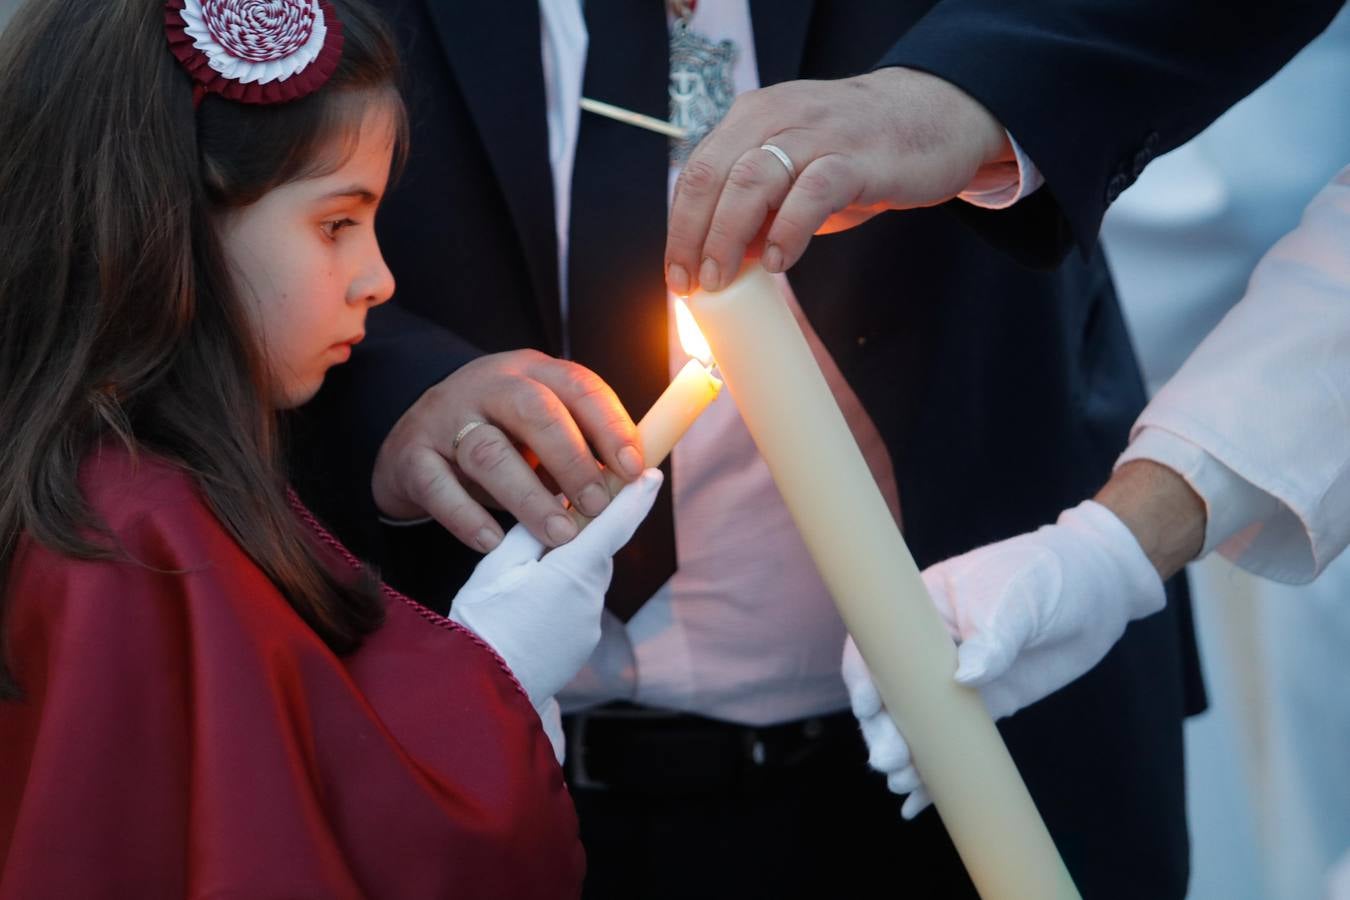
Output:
x=439 y=621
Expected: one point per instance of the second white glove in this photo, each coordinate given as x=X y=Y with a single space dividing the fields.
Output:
x=541 y=612
x=1031 y=614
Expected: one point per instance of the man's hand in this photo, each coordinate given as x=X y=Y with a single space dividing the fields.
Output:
x=527 y=403
x=1031 y=614
x=893 y=139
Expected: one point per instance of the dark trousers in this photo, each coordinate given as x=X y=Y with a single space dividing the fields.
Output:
x=683 y=806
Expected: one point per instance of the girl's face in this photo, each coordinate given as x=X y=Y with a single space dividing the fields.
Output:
x=308 y=265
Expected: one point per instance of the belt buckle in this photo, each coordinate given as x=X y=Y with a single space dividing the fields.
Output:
x=576 y=755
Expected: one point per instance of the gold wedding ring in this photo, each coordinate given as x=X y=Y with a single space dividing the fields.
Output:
x=463 y=433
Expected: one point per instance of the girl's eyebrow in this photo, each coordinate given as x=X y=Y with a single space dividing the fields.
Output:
x=365 y=195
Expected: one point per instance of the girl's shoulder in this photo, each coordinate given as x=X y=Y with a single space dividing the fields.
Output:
x=124 y=489
x=158 y=537
x=165 y=561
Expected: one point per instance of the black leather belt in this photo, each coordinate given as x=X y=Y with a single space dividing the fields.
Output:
x=625 y=747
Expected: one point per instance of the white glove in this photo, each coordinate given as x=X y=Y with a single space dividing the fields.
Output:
x=542 y=615
x=1031 y=614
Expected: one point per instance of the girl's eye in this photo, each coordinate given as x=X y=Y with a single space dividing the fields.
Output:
x=330 y=229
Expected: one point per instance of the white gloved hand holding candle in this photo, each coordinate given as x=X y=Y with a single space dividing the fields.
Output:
x=541 y=611
x=1031 y=614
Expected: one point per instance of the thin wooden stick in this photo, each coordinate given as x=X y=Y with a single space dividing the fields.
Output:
x=619 y=114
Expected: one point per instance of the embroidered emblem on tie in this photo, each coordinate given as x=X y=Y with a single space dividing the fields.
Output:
x=701 y=85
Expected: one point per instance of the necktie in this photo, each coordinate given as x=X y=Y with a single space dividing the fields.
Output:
x=616 y=246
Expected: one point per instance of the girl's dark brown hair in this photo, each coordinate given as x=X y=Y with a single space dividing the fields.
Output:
x=118 y=315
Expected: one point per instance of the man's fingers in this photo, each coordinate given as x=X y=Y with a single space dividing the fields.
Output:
x=536 y=418
x=691 y=211
x=489 y=458
x=599 y=414
x=824 y=187
x=700 y=185
x=755 y=187
x=430 y=483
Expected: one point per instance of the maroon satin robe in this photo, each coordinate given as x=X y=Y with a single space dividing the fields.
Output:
x=185 y=734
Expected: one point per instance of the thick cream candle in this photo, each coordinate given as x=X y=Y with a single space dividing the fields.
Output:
x=802 y=435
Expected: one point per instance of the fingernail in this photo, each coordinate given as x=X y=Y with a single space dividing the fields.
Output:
x=560 y=529
x=592 y=499
x=631 y=461
x=772 y=260
x=709 y=275
x=486 y=539
x=677 y=279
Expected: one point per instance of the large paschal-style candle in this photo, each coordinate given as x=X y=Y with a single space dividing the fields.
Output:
x=802 y=435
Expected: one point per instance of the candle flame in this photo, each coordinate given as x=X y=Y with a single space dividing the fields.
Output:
x=691 y=338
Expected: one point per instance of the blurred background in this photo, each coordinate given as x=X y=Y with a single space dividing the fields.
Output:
x=1268 y=767
x=1269 y=764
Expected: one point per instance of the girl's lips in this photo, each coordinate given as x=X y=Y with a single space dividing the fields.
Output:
x=343 y=349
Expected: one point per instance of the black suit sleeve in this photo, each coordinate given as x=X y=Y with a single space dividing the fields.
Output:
x=1094 y=89
x=335 y=438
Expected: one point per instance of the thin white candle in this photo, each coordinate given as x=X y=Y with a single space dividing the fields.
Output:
x=819 y=470
x=680 y=404
x=675 y=410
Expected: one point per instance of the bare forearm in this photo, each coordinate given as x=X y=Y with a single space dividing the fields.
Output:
x=1160 y=509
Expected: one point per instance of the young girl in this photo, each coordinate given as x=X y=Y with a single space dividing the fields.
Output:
x=201 y=693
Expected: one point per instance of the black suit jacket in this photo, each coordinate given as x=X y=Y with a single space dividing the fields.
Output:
x=1004 y=392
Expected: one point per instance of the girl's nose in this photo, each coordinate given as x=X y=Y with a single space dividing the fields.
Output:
x=375 y=284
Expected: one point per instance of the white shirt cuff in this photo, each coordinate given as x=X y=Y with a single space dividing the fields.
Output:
x=1001 y=185
x=1247 y=525
x=1231 y=502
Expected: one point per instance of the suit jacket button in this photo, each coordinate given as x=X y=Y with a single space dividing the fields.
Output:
x=1115 y=186
x=1141 y=159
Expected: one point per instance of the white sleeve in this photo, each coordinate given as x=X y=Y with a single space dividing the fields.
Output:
x=1235 y=509
x=1262 y=407
x=1000 y=186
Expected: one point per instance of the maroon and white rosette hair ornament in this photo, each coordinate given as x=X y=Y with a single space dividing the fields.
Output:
x=254 y=51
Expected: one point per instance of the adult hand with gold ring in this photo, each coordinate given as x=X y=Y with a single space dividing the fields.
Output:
x=464 y=432
x=472 y=440
x=892 y=139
